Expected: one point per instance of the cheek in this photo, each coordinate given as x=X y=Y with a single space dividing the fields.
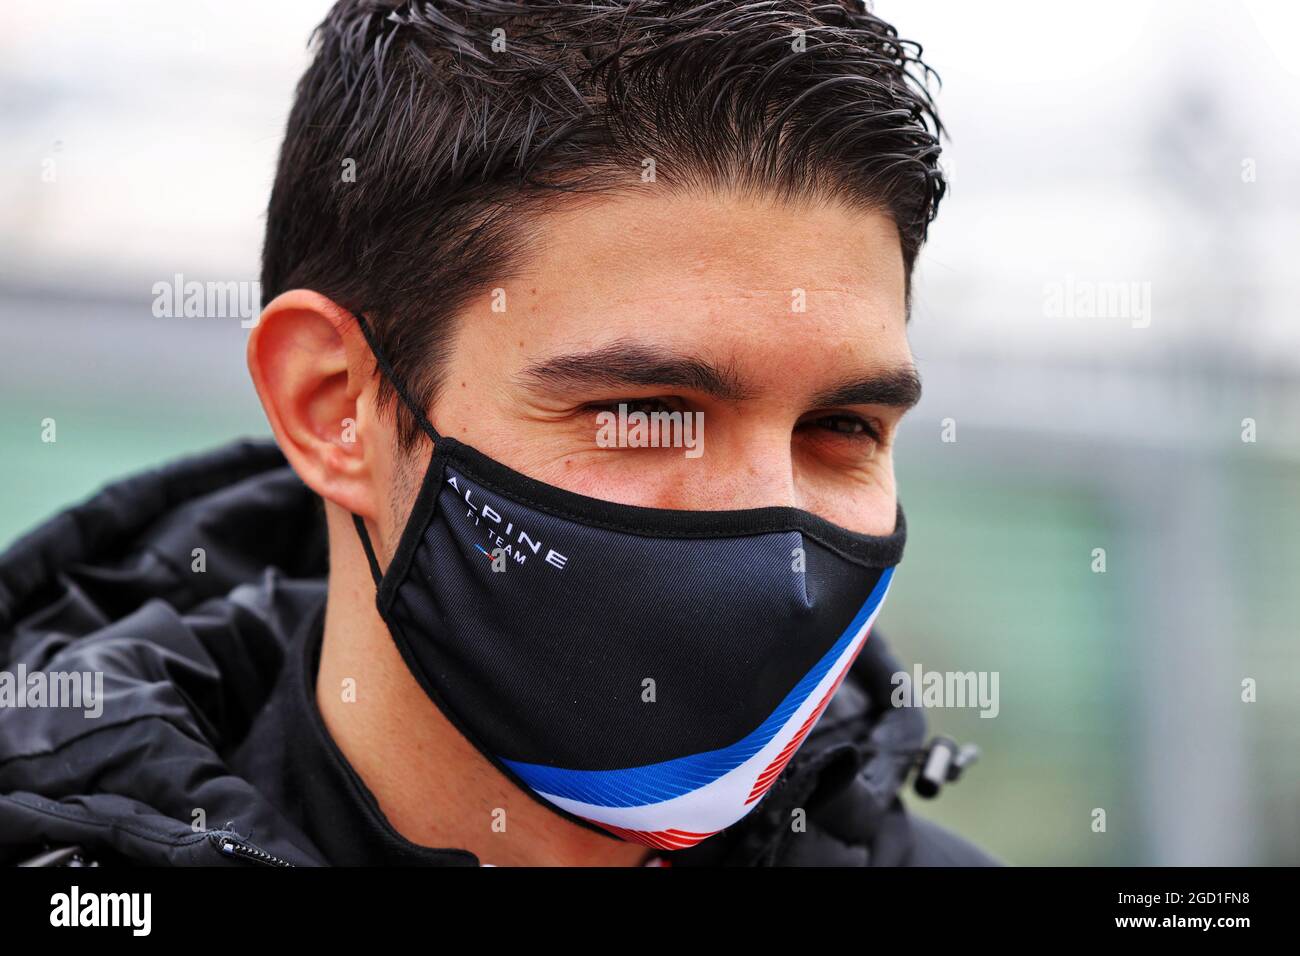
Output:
x=653 y=478
x=405 y=478
x=865 y=501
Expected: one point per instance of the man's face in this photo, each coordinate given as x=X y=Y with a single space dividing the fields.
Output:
x=784 y=325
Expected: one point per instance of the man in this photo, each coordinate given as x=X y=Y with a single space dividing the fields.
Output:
x=474 y=610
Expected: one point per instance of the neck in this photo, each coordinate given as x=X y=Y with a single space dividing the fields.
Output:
x=432 y=785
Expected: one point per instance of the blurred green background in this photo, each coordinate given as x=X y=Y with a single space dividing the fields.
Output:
x=1119 y=690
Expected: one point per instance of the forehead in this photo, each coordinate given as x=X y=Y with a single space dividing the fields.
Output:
x=745 y=280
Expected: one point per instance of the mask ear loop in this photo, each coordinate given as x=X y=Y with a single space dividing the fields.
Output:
x=425 y=426
x=382 y=361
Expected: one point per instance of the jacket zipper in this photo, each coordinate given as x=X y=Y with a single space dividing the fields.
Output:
x=227 y=845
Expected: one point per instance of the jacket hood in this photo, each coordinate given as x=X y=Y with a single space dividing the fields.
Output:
x=184 y=585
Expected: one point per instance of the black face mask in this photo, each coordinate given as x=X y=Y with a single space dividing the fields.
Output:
x=644 y=672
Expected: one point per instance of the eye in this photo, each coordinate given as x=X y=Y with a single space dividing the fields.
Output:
x=647 y=405
x=850 y=427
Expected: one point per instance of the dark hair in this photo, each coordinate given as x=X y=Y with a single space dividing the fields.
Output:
x=466 y=119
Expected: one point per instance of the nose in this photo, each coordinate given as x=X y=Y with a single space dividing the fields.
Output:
x=746 y=467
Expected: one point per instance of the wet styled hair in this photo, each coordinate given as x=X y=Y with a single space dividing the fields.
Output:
x=427 y=139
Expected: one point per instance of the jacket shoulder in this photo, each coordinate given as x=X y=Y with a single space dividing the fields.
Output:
x=934 y=845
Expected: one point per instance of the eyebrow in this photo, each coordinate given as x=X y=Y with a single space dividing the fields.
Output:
x=630 y=364
x=897 y=387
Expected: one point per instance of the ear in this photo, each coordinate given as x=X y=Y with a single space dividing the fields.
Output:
x=313 y=373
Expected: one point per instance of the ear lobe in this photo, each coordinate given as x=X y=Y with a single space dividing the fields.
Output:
x=317 y=397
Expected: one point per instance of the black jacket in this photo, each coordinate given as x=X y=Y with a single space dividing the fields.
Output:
x=190 y=659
